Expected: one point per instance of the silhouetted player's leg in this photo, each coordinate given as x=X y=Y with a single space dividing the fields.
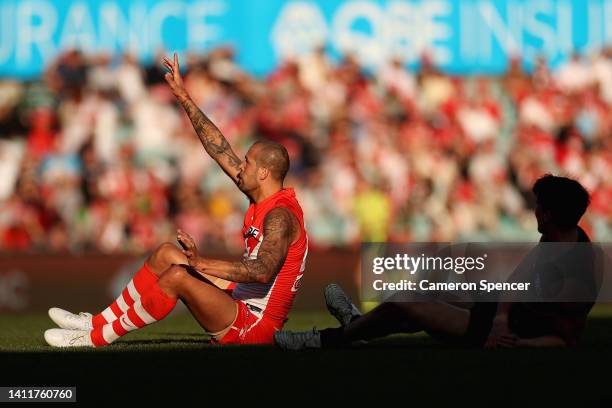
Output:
x=434 y=317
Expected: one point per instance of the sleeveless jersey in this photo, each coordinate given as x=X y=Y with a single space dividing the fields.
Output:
x=273 y=299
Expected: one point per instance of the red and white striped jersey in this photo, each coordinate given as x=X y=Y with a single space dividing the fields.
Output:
x=275 y=298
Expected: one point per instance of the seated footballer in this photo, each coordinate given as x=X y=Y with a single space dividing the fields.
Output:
x=560 y=203
x=242 y=302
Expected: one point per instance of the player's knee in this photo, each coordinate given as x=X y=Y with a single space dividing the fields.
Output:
x=168 y=250
x=174 y=276
x=165 y=255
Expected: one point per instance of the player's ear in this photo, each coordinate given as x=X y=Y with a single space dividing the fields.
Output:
x=263 y=173
x=547 y=216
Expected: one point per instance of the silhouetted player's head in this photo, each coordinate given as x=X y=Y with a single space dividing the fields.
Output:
x=265 y=162
x=561 y=202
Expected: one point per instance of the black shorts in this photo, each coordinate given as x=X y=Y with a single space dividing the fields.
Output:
x=480 y=324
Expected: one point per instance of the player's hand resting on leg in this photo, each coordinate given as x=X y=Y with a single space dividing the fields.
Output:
x=189 y=248
x=501 y=335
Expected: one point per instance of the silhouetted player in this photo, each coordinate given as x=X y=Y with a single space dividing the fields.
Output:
x=561 y=202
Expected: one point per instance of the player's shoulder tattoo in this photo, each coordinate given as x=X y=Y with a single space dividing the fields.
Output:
x=279 y=221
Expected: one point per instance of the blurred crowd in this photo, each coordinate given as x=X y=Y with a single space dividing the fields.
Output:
x=96 y=155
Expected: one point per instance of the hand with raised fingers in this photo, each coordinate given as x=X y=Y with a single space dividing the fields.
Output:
x=173 y=77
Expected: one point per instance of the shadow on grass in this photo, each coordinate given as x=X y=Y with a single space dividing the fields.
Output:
x=177 y=340
x=415 y=368
x=201 y=334
x=598 y=333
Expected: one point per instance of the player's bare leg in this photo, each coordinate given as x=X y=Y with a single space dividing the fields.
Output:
x=161 y=259
x=214 y=309
x=164 y=256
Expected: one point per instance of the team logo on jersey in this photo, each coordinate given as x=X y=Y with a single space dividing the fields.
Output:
x=252 y=232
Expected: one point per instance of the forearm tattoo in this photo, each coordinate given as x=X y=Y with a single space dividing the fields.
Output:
x=211 y=137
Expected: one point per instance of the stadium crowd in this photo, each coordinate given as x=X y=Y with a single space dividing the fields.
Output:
x=97 y=155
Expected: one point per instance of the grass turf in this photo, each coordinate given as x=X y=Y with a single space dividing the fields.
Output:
x=172 y=361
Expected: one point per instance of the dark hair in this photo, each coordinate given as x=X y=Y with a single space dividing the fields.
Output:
x=274 y=157
x=566 y=199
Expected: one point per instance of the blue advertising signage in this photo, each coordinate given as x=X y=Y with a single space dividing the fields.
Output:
x=460 y=36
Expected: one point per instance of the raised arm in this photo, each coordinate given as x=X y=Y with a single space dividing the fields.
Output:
x=215 y=144
x=280 y=229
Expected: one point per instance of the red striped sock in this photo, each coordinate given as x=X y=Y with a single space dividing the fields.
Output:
x=154 y=305
x=137 y=286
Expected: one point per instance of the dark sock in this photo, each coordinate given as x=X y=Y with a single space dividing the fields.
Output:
x=333 y=338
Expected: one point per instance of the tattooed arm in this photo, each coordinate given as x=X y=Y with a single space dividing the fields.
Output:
x=215 y=144
x=280 y=230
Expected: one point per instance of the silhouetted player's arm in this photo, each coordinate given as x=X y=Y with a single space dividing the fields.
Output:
x=500 y=334
x=212 y=139
x=280 y=229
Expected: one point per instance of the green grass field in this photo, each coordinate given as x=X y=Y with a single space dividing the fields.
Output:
x=172 y=361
